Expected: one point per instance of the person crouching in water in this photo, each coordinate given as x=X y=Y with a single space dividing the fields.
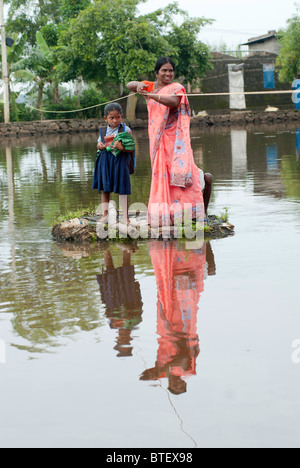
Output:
x=112 y=173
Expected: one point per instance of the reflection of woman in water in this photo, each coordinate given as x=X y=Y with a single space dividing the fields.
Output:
x=180 y=281
x=122 y=297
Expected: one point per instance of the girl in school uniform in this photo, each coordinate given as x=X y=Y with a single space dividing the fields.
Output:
x=112 y=172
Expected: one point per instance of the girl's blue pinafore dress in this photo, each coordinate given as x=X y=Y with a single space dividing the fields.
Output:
x=112 y=172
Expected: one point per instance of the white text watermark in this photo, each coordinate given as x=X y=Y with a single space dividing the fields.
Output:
x=296 y=353
x=2 y=352
x=175 y=221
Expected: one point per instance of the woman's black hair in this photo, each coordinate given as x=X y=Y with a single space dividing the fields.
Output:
x=113 y=106
x=162 y=61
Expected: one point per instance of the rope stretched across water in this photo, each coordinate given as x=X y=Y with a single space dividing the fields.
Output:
x=78 y=110
x=245 y=93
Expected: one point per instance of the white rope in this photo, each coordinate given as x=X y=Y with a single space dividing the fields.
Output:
x=246 y=93
x=232 y=94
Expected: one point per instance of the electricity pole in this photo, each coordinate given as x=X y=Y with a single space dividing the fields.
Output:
x=4 y=65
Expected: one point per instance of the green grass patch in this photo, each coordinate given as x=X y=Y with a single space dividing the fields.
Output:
x=224 y=215
x=80 y=213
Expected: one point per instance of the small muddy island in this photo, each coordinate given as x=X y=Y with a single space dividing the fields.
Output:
x=87 y=227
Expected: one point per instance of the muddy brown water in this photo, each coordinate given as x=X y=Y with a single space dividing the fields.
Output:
x=157 y=345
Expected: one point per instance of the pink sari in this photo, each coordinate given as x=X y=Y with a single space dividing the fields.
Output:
x=175 y=186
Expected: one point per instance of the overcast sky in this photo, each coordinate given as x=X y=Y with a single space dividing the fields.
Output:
x=236 y=20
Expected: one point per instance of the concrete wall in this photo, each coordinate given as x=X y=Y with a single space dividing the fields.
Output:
x=268 y=45
x=48 y=127
x=225 y=119
x=247 y=119
x=216 y=81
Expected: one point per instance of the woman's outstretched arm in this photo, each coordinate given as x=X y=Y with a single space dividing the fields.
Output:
x=136 y=86
x=141 y=88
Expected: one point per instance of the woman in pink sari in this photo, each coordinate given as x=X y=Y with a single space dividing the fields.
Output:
x=175 y=188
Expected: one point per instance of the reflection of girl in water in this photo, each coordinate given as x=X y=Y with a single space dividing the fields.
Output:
x=122 y=297
x=180 y=281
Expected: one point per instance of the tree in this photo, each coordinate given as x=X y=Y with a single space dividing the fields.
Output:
x=68 y=9
x=15 y=61
x=39 y=68
x=71 y=8
x=15 y=67
x=15 y=58
x=109 y=43
x=288 y=61
x=50 y=64
x=47 y=16
x=31 y=16
x=193 y=56
x=106 y=42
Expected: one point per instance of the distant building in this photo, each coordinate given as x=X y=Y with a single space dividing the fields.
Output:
x=253 y=66
x=266 y=43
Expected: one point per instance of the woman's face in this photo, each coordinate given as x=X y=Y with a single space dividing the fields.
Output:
x=166 y=74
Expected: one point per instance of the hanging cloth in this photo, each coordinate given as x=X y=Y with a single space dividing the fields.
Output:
x=269 y=75
x=236 y=85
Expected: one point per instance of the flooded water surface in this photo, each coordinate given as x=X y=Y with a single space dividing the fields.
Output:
x=154 y=344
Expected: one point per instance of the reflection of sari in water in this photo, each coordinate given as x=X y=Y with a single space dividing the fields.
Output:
x=121 y=294
x=179 y=276
x=175 y=176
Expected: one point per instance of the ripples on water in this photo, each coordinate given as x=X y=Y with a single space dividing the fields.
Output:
x=154 y=345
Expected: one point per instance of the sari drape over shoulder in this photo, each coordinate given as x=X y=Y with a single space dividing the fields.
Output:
x=175 y=176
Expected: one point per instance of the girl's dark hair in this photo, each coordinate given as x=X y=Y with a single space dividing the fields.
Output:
x=162 y=61
x=113 y=106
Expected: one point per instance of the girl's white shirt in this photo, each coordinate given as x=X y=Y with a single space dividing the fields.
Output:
x=114 y=131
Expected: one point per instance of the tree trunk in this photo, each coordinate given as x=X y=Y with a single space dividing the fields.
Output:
x=56 y=97
x=78 y=86
x=131 y=107
x=40 y=95
x=78 y=89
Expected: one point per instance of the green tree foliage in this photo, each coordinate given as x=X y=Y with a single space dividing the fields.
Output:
x=31 y=16
x=68 y=9
x=14 y=59
x=16 y=66
x=193 y=57
x=48 y=16
x=39 y=67
x=17 y=72
x=110 y=43
x=106 y=42
x=288 y=61
x=71 y=8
